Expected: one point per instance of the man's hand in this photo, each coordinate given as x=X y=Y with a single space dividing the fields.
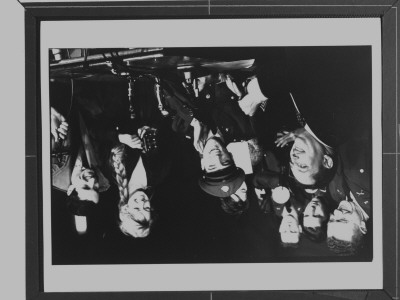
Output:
x=233 y=86
x=142 y=130
x=58 y=125
x=284 y=138
x=253 y=99
x=131 y=140
x=198 y=135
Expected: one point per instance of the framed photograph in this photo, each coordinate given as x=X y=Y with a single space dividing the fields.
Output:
x=212 y=150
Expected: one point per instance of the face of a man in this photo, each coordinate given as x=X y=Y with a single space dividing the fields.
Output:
x=86 y=184
x=215 y=156
x=306 y=157
x=240 y=194
x=290 y=229
x=346 y=222
x=139 y=206
x=314 y=214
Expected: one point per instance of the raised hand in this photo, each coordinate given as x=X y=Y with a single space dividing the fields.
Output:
x=198 y=135
x=284 y=138
x=233 y=86
x=58 y=125
x=253 y=99
x=131 y=140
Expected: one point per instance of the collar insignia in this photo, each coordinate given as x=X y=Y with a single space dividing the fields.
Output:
x=225 y=188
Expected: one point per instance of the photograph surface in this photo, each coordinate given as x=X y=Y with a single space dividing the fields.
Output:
x=211 y=155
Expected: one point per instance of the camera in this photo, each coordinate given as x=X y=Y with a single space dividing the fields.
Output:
x=150 y=140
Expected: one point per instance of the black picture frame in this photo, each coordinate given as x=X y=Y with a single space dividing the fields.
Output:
x=386 y=10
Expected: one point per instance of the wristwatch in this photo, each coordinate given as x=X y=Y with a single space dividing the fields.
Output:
x=280 y=194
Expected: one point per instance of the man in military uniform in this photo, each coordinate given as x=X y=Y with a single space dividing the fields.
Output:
x=350 y=188
x=215 y=106
x=216 y=121
x=221 y=178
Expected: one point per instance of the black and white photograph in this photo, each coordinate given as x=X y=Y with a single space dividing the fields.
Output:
x=211 y=154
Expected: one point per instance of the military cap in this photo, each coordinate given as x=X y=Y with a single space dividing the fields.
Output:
x=222 y=183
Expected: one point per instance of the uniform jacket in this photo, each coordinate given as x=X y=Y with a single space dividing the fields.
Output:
x=216 y=106
x=353 y=174
x=226 y=114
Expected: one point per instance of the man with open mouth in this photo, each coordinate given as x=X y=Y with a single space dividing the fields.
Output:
x=330 y=149
x=221 y=178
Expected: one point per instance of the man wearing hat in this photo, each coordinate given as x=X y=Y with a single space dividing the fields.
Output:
x=215 y=108
x=221 y=177
x=218 y=123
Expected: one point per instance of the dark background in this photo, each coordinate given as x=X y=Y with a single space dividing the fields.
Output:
x=190 y=226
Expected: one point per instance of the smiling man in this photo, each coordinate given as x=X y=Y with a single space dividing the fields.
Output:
x=315 y=217
x=347 y=228
x=221 y=177
x=215 y=156
x=290 y=229
x=311 y=160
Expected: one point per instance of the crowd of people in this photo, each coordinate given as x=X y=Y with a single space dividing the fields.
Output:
x=282 y=150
